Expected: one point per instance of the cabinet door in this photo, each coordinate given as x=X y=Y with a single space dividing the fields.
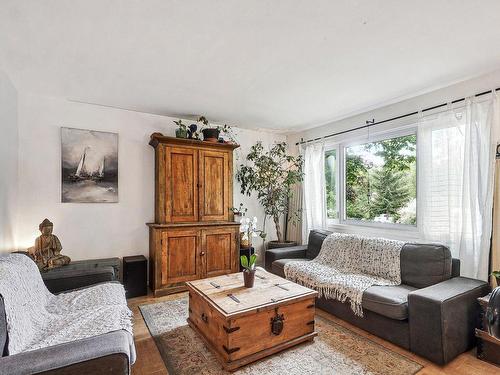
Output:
x=219 y=249
x=181 y=184
x=180 y=255
x=214 y=185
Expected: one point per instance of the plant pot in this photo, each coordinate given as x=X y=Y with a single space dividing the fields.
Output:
x=278 y=245
x=181 y=133
x=211 y=135
x=245 y=244
x=248 y=278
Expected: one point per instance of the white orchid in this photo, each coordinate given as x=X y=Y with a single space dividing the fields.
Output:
x=249 y=228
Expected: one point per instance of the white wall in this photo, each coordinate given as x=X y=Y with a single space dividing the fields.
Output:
x=95 y=230
x=8 y=162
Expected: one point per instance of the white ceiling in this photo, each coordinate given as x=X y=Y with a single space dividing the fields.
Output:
x=280 y=64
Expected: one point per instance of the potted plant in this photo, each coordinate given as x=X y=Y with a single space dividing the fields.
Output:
x=248 y=230
x=241 y=210
x=212 y=133
x=249 y=269
x=272 y=175
x=181 y=131
x=228 y=134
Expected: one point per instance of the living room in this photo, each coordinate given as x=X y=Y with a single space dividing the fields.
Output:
x=264 y=187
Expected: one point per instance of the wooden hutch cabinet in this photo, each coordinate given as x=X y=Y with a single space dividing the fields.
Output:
x=194 y=235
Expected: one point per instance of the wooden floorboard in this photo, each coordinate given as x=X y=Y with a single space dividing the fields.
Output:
x=149 y=361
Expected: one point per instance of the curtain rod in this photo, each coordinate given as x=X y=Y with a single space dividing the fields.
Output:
x=372 y=122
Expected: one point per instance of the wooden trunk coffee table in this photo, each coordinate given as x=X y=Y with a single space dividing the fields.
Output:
x=241 y=325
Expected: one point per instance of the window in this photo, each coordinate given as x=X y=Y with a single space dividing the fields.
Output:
x=379 y=181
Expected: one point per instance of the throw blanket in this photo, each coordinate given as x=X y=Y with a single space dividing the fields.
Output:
x=347 y=265
x=36 y=318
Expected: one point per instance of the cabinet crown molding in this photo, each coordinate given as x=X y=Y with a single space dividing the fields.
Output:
x=158 y=138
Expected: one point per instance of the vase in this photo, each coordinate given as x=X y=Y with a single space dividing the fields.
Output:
x=211 y=135
x=181 y=133
x=248 y=278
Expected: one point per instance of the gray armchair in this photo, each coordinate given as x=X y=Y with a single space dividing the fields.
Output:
x=110 y=353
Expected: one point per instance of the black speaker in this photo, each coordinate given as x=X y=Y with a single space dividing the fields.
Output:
x=135 y=275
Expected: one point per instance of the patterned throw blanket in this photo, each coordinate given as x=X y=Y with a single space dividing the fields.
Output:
x=347 y=265
x=36 y=318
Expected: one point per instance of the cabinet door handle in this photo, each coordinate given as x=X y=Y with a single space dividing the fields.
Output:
x=202 y=253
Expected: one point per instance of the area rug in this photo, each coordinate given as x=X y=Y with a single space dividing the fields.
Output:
x=336 y=350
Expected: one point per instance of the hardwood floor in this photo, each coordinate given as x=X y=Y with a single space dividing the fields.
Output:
x=149 y=360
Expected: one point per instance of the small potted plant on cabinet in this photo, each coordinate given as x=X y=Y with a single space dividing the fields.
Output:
x=212 y=133
x=249 y=269
x=181 y=131
x=239 y=211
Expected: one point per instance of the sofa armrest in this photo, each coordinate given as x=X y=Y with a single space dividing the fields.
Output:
x=65 y=280
x=111 y=353
x=443 y=316
x=292 y=252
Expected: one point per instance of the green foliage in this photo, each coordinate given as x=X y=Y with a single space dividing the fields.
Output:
x=391 y=150
x=331 y=184
x=248 y=264
x=387 y=188
x=180 y=124
x=271 y=174
x=391 y=193
x=357 y=188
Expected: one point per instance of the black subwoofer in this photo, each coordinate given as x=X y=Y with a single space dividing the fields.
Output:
x=135 y=275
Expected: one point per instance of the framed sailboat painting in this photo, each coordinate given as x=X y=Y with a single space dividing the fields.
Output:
x=89 y=166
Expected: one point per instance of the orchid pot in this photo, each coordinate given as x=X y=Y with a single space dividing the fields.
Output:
x=248 y=269
x=248 y=278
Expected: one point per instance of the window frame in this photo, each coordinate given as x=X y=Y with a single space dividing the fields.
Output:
x=341 y=148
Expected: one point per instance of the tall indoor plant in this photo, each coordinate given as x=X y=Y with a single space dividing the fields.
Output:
x=272 y=174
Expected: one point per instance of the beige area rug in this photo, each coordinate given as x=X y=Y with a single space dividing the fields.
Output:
x=336 y=350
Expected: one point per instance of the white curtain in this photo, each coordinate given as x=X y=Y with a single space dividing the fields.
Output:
x=456 y=152
x=314 y=200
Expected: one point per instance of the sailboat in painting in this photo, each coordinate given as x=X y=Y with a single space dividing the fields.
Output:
x=82 y=172
x=99 y=175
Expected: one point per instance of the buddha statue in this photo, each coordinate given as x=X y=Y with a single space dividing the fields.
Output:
x=47 y=250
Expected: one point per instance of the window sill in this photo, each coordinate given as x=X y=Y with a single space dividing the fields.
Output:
x=410 y=234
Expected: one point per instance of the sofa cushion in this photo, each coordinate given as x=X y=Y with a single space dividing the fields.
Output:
x=316 y=238
x=283 y=253
x=423 y=265
x=278 y=266
x=389 y=301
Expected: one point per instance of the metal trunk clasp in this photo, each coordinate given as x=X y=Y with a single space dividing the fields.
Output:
x=277 y=323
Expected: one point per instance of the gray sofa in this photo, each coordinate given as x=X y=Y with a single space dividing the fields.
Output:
x=432 y=313
x=109 y=353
